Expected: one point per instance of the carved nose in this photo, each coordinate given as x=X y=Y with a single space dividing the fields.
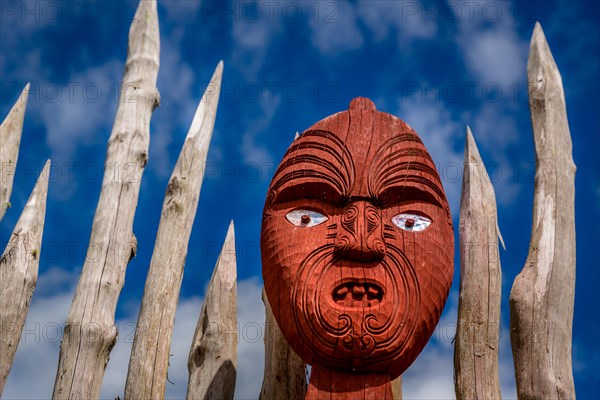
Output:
x=360 y=233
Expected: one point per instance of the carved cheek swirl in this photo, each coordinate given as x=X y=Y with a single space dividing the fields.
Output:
x=349 y=218
x=346 y=240
x=374 y=227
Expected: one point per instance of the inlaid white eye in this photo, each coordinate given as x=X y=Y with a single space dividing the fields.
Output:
x=411 y=222
x=305 y=218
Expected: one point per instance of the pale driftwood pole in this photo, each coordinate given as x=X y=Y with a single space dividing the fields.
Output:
x=10 y=139
x=285 y=372
x=212 y=360
x=478 y=327
x=149 y=361
x=397 y=388
x=19 y=272
x=90 y=332
x=542 y=297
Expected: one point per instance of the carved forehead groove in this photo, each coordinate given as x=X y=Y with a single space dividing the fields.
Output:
x=400 y=161
x=318 y=156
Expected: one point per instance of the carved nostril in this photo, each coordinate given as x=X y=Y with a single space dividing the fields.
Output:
x=342 y=244
x=379 y=248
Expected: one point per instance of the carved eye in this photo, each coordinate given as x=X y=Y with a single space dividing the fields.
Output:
x=411 y=222
x=305 y=218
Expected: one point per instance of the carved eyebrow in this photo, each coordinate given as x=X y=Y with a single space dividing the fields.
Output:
x=402 y=169
x=409 y=190
x=318 y=162
x=307 y=188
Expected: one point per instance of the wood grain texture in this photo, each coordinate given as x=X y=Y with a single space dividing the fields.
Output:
x=397 y=388
x=149 y=361
x=285 y=372
x=212 y=361
x=19 y=272
x=90 y=331
x=357 y=246
x=478 y=327
x=10 y=140
x=542 y=296
x=327 y=384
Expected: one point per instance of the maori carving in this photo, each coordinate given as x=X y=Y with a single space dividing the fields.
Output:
x=357 y=249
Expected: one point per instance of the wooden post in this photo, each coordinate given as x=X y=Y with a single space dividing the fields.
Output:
x=478 y=329
x=19 y=272
x=149 y=361
x=212 y=361
x=90 y=333
x=542 y=296
x=10 y=139
x=397 y=388
x=285 y=372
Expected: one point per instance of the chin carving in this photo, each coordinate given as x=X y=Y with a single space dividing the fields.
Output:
x=357 y=247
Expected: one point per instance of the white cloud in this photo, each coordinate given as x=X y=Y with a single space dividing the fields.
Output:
x=252 y=36
x=252 y=151
x=495 y=55
x=491 y=47
x=407 y=20
x=80 y=111
x=335 y=28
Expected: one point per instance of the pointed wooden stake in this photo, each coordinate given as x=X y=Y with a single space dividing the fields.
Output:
x=10 y=139
x=478 y=328
x=285 y=372
x=19 y=272
x=542 y=296
x=212 y=361
x=90 y=331
x=149 y=361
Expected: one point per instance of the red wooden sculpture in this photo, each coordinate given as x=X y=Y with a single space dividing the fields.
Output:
x=357 y=249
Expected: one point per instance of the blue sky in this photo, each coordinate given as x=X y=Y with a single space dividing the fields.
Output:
x=437 y=65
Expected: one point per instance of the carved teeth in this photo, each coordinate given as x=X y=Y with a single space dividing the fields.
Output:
x=372 y=292
x=358 y=291
x=341 y=292
x=359 y=295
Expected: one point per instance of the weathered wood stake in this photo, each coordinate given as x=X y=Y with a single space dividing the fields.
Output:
x=542 y=296
x=285 y=372
x=149 y=361
x=19 y=272
x=212 y=361
x=10 y=139
x=397 y=388
x=478 y=329
x=90 y=332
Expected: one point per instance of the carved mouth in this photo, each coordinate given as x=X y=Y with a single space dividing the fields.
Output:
x=358 y=294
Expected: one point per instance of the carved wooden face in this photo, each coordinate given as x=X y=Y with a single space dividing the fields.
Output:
x=357 y=243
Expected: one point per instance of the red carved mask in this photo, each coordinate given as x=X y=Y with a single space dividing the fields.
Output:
x=357 y=243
